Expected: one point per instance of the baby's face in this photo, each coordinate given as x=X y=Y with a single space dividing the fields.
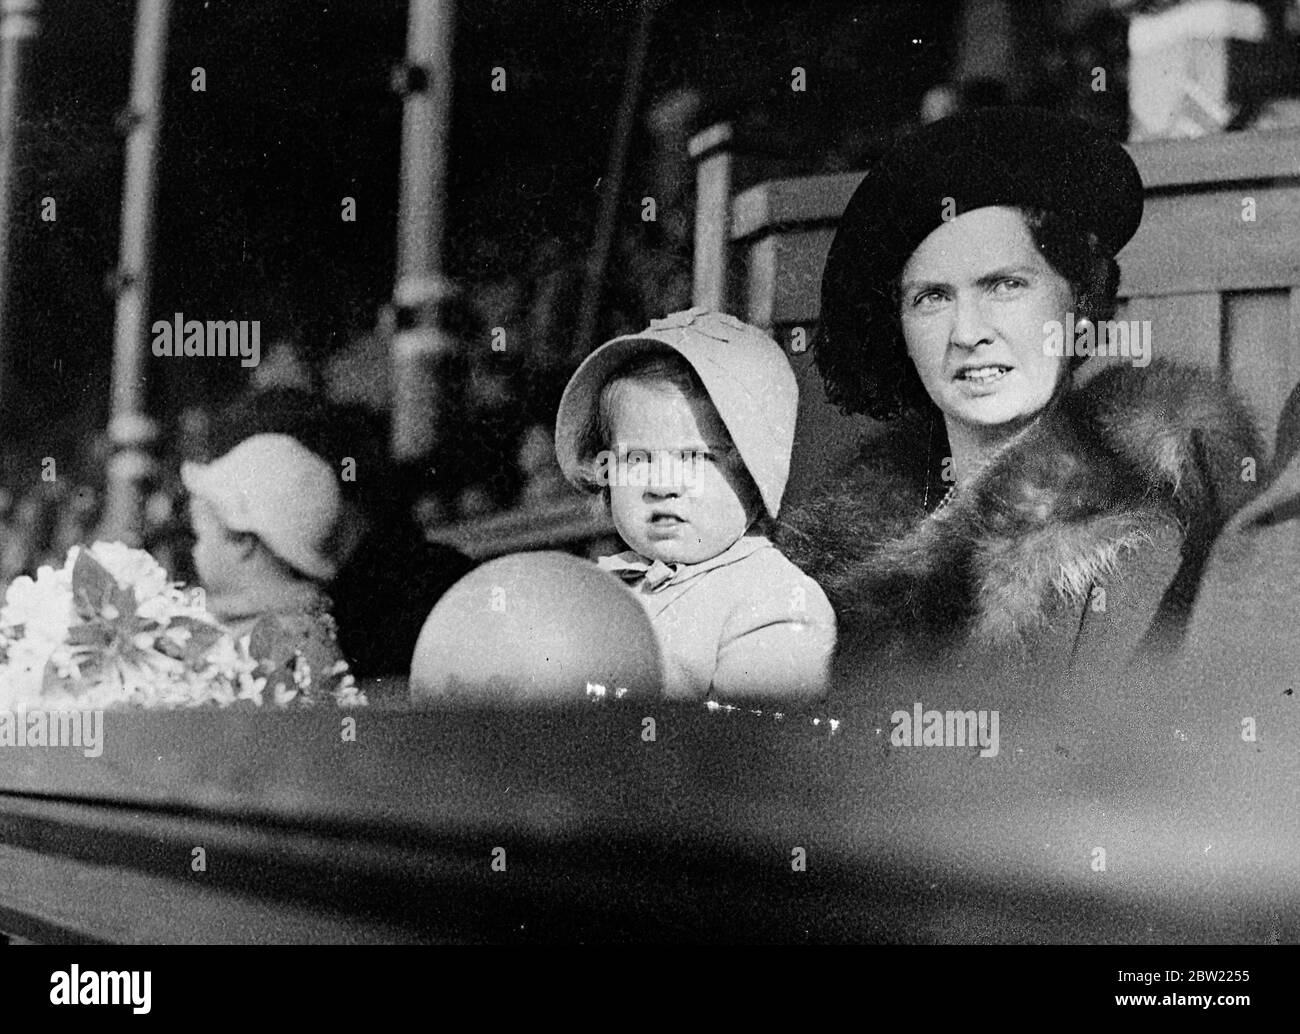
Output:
x=678 y=512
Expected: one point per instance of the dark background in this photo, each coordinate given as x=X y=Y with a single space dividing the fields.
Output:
x=298 y=113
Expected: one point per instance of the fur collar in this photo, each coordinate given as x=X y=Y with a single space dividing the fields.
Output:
x=1131 y=454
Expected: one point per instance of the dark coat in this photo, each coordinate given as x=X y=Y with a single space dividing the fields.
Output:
x=1083 y=534
x=385 y=592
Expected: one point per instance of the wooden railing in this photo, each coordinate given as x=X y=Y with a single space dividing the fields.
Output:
x=1215 y=267
x=568 y=522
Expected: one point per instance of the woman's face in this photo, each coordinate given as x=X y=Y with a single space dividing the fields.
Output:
x=217 y=558
x=975 y=298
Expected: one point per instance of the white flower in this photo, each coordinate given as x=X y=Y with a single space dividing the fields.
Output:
x=347 y=694
x=37 y=615
x=250 y=688
x=37 y=612
x=283 y=694
x=22 y=676
x=42 y=606
x=133 y=568
x=158 y=608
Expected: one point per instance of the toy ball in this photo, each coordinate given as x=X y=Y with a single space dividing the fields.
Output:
x=536 y=628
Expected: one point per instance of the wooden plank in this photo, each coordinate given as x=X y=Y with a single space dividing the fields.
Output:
x=762 y=266
x=1224 y=158
x=784 y=277
x=1260 y=353
x=1165 y=165
x=1185 y=328
x=1201 y=243
x=1186 y=245
x=713 y=177
x=560 y=523
x=792 y=202
x=719 y=135
x=800 y=258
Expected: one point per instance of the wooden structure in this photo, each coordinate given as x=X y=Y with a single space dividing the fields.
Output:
x=725 y=826
x=572 y=522
x=1215 y=267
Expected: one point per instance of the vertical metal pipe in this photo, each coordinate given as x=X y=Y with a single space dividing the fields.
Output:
x=419 y=340
x=18 y=25
x=130 y=430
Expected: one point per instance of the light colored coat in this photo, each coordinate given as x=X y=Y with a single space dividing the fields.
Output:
x=744 y=625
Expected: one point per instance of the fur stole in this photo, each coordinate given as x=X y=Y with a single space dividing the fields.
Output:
x=1130 y=455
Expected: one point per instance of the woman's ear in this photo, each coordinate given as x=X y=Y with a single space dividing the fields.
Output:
x=1085 y=309
x=1094 y=298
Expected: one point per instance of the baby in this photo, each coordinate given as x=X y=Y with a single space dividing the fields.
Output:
x=267 y=521
x=686 y=428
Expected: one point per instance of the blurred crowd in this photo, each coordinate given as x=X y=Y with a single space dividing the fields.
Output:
x=494 y=446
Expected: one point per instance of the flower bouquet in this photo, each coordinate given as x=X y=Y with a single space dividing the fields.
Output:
x=109 y=629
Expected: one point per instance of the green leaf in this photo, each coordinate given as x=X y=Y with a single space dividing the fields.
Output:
x=125 y=603
x=202 y=638
x=92 y=586
x=89 y=635
x=271 y=643
x=54 y=683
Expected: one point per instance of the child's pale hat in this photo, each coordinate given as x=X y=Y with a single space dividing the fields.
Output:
x=747 y=376
x=279 y=490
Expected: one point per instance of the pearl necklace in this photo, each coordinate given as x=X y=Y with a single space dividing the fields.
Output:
x=948 y=496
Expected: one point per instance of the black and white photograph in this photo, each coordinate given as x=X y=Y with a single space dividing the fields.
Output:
x=645 y=473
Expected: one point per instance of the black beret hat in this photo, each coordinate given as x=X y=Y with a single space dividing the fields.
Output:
x=1014 y=156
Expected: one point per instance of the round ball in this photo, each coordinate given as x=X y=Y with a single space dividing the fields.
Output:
x=535 y=628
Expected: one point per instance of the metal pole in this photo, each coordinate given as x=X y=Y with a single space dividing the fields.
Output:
x=18 y=25
x=607 y=222
x=419 y=340
x=130 y=430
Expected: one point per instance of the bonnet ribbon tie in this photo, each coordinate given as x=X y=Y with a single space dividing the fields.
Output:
x=656 y=573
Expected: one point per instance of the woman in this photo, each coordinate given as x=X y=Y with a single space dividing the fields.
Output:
x=1008 y=520
x=392 y=576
